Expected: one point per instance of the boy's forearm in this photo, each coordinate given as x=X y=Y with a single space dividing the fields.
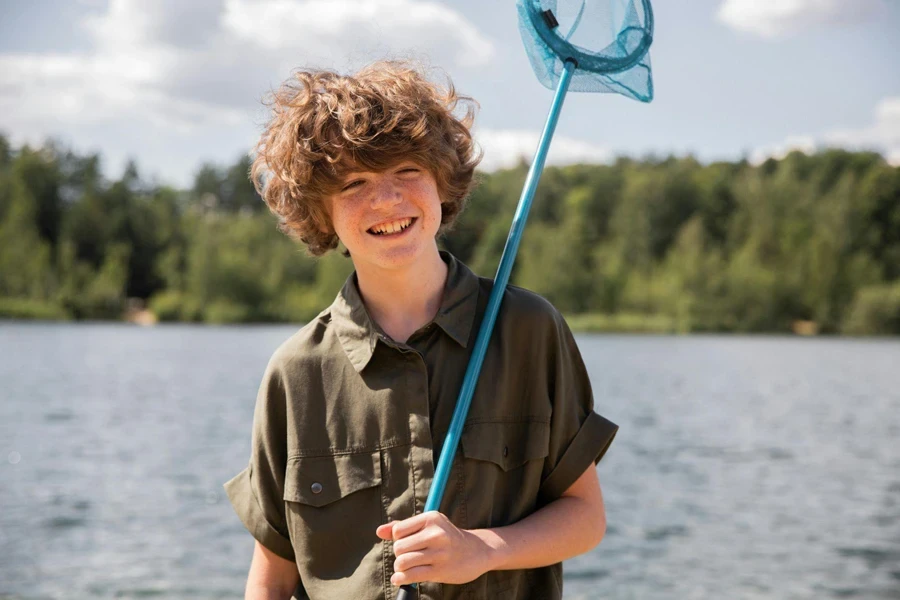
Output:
x=567 y=527
x=263 y=592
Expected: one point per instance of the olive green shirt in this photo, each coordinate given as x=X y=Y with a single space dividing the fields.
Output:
x=348 y=426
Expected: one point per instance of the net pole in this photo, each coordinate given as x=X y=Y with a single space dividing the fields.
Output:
x=464 y=400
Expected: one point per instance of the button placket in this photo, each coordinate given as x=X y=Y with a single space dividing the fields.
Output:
x=421 y=455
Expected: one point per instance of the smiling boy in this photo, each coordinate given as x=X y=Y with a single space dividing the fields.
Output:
x=353 y=409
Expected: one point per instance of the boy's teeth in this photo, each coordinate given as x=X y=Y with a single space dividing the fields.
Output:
x=393 y=226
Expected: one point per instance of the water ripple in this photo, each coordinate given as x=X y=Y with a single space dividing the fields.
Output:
x=744 y=468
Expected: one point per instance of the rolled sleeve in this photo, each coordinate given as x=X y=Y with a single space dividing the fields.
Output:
x=247 y=506
x=579 y=437
x=588 y=446
x=257 y=492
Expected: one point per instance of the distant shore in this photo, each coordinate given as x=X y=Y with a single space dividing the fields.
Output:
x=30 y=310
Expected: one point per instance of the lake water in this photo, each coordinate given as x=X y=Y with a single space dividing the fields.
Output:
x=745 y=467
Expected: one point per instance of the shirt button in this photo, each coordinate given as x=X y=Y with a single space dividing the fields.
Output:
x=505 y=451
x=316 y=488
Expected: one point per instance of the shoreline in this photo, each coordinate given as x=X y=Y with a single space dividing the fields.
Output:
x=598 y=323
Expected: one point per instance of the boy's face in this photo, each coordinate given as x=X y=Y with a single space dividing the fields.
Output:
x=388 y=219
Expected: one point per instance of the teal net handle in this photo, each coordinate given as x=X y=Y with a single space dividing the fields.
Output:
x=451 y=442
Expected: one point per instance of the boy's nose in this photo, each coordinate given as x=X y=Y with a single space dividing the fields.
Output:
x=386 y=194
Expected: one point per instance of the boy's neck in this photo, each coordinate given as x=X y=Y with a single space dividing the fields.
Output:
x=402 y=301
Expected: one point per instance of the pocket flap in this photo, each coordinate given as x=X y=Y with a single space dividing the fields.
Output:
x=320 y=480
x=508 y=445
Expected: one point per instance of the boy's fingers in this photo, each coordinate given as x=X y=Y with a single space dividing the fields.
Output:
x=411 y=560
x=412 y=543
x=414 y=575
x=411 y=525
x=385 y=531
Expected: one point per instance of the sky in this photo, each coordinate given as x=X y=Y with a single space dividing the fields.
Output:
x=173 y=84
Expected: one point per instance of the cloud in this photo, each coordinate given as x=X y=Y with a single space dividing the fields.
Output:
x=771 y=18
x=357 y=26
x=44 y=95
x=181 y=67
x=505 y=148
x=159 y=79
x=130 y=25
x=883 y=136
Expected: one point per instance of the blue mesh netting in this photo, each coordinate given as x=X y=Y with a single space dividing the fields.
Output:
x=608 y=39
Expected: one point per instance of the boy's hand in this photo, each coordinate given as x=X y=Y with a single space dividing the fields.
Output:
x=429 y=547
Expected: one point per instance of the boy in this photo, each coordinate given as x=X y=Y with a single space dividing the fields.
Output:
x=353 y=409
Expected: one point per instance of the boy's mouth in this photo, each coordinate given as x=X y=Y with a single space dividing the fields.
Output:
x=389 y=228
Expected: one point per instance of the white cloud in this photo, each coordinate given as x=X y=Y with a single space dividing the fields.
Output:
x=168 y=60
x=770 y=18
x=174 y=68
x=49 y=93
x=883 y=136
x=505 y=148
x=803 y=143
x=357 y=26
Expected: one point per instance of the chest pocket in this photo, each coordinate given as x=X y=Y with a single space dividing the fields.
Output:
x=338 y=493
x=333 y=505
x=321 y=480
x=507 y=445
x=502 y=475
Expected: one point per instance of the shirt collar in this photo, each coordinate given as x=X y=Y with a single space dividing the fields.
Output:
x=359 y=334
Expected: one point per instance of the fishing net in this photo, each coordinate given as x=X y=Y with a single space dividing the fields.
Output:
x=578 y=45
x=609 y=41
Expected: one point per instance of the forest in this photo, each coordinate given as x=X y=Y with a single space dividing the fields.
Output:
x=804 y=244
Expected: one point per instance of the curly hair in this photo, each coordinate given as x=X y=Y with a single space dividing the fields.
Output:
x=324 y=125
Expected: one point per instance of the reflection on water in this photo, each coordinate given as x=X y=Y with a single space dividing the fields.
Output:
x=744 y=467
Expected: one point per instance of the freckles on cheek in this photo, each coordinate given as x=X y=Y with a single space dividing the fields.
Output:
x=432 y=221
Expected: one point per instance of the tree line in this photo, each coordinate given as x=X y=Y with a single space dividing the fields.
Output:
x=657 y=244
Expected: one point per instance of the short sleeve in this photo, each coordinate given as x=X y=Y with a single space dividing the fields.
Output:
x=257 y=492
x=578 y=435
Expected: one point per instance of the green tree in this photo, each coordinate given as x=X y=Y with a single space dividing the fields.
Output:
x=39 y=171
x=875 y=311
x=25 y=269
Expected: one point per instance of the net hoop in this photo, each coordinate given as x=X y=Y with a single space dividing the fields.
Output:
x=589 y=62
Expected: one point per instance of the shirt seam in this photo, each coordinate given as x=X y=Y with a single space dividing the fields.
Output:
x=412 y=472
x=385 y=544
x=525 y=419
x=323 y=452
x=495 y=420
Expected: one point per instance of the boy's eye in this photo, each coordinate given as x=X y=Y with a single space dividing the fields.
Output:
x=358 y=182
